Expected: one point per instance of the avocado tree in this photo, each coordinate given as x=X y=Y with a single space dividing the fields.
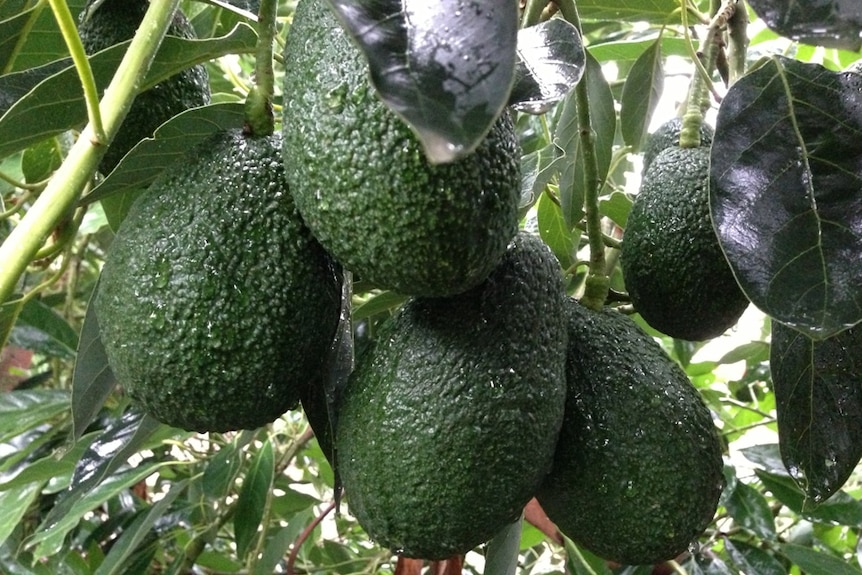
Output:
x=601 y=94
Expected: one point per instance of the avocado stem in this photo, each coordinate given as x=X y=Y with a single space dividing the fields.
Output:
x=69 y=30
x=533 y=12
x=259 y=120
x=66 y=185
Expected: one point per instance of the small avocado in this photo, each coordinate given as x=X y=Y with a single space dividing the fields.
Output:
x=672 y=264
x=363 y=185
x=116 y=21
x=450 y=419
x=216 y=305
x=638 y=467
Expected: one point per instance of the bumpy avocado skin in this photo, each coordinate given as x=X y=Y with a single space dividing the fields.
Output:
x=364 y=187
x=116 y=21
x=667 y=135
x=216 y=305
x=638 y=468
x=672 y=263
x=450 y=419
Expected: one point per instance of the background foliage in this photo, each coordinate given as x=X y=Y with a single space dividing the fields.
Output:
x=89 y=485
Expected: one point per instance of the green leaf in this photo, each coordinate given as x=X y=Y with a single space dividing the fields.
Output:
x=11 y=29
x=567 y=139
x=57 y=103
x=830 y=23
x=55 y=468
x=275 y=549
x=40 y=160
x=9 y=311
x=562 y=239
x=253 y=497
x=39 y=316
x=818 y=394
x=579 y=561
x=92 y=378
x=21 y=410
x=123 y=548
x=503 y=551
x=169 y=144
x=786 y=167
x=628 y=10
x=383 y=302
x=538 y=168
x=630 y=50
x=445 y=67
x=840 y=509
x=616 y=207
x=814 y=562
x=40 y=41
x=15 y=503
x=224 y=467
x=749 y=508
x=751 y=352
x=766 y=457
x=750 y=559
x=641 y=93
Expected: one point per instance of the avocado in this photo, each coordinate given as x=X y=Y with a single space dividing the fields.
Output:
x=116 y=21
x=363 y=185
x=450 y=418
x=672 y=264
x=638 y=468
x=216 y=305
x=667 y=135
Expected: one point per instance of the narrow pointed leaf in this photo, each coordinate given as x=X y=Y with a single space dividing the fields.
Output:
x=92 y=378
x=252 y=498
x=749 y=509
x=641 y=93
x=22 y=410
x=503 y=551
x=750 y=559
x=551 y=60
x=445 y=67
x=39 y=316
x=830 y=23
x=786 y=192
x=15 y=503
x=581 y=562
x=814 y=562
x=818 y=393
x=224 y=467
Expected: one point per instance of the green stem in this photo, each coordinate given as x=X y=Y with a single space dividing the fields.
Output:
x=737 y=44
x=67 y=183
x=258 y=105
x=67 y=26
x=533 y=12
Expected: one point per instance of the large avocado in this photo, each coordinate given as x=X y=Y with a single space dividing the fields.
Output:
x=672 y=263
x=449 y=421
x=364 y=186
x=667 y=136
x=216 y=305
x=638 y=468
x=116 y=21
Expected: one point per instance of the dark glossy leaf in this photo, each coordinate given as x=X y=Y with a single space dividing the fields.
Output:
x=628 y=10
x=785 y=180
x=750 y=510
x=54 y=468
x=818 y=394
x=41 y=42
x=603 y=120
x=551 y=61
x=641 y=93
x=814 y=562
x=503 y=551
x=23 y=410
x=56 y=103
x=840 y=509
x=767 y=457
x=830 y=23
x=750 y=559
x=445 y=67
x=92 y=378
x=252 y=498
x=11 y=29
x=16 y=85
x=39 y=316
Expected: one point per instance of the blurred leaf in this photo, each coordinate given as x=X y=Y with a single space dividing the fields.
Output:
x=170 y=143
x=579 y=561
x=818 y=394
x=134 y=534
x=274 y=550
x=766 y=457
x=9 y=311
x=22 y=410
x=56 y=104
x=224 y=467
x=840 y=509
x=830 y=23
x=40 y=316
x=785 y=166
x=40 y=160
x=291 y=502
x=616 y=207
x=816 y=563
x=503 y=551
x=383 y=302
x=562 y=240
x=750 y=559
x=15 y=503
x=567 y=139
x=92 y=379
x=641 y=93
x=252 y=498
x=749 y=508
x=551 y=61
x=445 y=67
x=751 y=352
x=631 y=11
x=622 y=50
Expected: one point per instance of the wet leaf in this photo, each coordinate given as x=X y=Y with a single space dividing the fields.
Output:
x=785 y=175
x=641 y=93
x=814 y=562
x=840 y=509
x=818 y=393
x=830 y=23
x=445 y=67
x=252 y=498
x=92 y=378
x=551 y=61
x=750 y=559
x=749 y=508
